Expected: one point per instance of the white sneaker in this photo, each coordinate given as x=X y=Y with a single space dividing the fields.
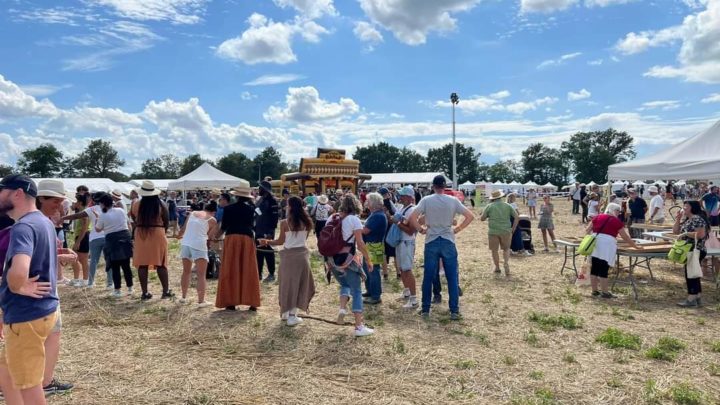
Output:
x=406 y=293
x=129 y=291
x=117 y=294
x=203 y=304
x=341 y=316
x=294 y=320
x=183 y=301
x=412 y=303
x=363 y=331
x=526 y=253
x=109 y=287
x=284 y=315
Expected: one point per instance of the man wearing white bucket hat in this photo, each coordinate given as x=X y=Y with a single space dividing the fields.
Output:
x=502 y=222
x=657 y=206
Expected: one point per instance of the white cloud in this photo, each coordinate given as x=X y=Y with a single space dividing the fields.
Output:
x=411 y=21
x=712 y=98
x=559 y=61
x=303 y=104
x=42 y=90
x=265 y=80
x=114 y=39
x=664 y=105
x=500 y=94
x=58 y=15
x=545 y=6
x=605 y=3
x=366 y=32
x=596 y=62
x=522 y=107
x=580 y=95
x=173 y=116
x=267 y=41
x=309 y=8
x=699 y=56
x=174 y=11
x=493 y=102
x=15 y=103
x=247 y=96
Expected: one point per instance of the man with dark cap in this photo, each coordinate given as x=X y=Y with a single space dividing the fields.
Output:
x=267 y=214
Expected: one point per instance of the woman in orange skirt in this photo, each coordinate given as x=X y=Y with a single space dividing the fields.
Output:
x=151 y=249
x=238 y=283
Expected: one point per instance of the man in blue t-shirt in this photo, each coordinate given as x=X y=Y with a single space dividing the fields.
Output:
x=374 y=233
x=711 y=201
x=28 y=292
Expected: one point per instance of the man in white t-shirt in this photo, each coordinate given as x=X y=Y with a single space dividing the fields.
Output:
x=405 y=250
x=657 y=206
x=576 y=199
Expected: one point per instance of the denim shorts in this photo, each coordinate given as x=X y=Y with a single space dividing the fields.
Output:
x=186 y=252
x=350 y=285
x=405 y=254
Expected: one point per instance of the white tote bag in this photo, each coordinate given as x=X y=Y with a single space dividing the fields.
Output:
x=694 y=270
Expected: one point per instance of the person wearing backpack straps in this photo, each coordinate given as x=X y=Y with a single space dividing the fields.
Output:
x=344 y=266
x=405 y=250
x=320 y=213
x=607 y=226
x=693 y=225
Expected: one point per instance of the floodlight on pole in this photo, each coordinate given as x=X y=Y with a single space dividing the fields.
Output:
x=454 y=99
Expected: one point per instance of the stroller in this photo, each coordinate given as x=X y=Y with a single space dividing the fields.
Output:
x=525 y=227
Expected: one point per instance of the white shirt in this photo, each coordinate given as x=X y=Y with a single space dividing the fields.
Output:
x=657 y=202
x=350 y=224
x=576 y=194
x=405 y=216
x=115 y=220
x=93 y=219
x=196 y=233
x=295 y=239
x=593 y=208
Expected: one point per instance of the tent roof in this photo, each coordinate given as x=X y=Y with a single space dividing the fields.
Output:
x=404 y=178
x=548 y=185
x=205 y=176
x=162 y=184
x=694 y=158
x=514 y=183
x=530 y=183
x=499 y=183
x=468 y=183
x=94 y=184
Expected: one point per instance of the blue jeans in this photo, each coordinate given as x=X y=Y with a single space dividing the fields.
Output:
x=96 y=249
x=435 y=251
x=350 y=285
x=373 y=282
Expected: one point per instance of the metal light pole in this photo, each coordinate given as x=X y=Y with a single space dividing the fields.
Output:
x=454 y=99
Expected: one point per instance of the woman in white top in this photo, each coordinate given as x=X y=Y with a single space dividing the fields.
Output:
x=297 y=286
x=118 y=247
x=532 y=203
x=593 y=206
x=194 y=249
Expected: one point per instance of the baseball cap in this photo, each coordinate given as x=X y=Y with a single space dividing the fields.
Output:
x=19 y=182
x=383 y=191
x=439 y=181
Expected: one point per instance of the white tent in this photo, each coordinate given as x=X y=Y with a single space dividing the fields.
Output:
x=515 y=184
x=530 y=184
x=549 y=186
x=204 y=177
x=469 y=186
x=639 y=183
x=592 y=183
x=404 y=178
x=162 y=184
x=696 y=158
x=93 y=184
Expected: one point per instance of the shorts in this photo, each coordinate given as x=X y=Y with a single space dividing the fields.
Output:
x=187 y=252
x=405 y=251
x=24 y=352
x=599 y=268
x=531 y=203
x=84 y=244
x=499 y=241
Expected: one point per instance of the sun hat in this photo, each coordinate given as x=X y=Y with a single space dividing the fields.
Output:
x=496 y=194
x=323 y=199
x=652 y=189
x=117 y=194
x=338 y=191
x=51 y=188
x=242 y=190
x=70 y=197
x=407 y=191
x=19 y=182
x=265 y=185
x=147 y=189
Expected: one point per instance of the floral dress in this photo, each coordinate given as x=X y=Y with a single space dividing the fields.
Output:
x=692 y=225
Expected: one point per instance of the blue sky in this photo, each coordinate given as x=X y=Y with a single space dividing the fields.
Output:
x=210 y=77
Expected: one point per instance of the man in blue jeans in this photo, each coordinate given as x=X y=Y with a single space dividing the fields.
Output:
x=440 y=210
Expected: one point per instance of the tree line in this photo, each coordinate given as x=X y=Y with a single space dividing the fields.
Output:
x=584 y=157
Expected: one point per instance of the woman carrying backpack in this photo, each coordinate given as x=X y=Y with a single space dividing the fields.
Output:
x=297 y=286
x=346 y=267
x=320 y=213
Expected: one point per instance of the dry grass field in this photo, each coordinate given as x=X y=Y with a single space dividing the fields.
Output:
x=533 y=339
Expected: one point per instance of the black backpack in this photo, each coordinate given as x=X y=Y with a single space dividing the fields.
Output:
x=213 y=267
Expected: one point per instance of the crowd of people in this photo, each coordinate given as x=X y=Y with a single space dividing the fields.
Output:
x=364 y=231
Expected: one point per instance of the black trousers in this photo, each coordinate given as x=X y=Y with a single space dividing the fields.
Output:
x=693 y=284
x=116 y=265
x=576 y=206
x=265 y=254
x=319 y=225
x=584 y=212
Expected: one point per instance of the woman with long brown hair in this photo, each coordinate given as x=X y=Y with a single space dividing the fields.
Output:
x=239 y=283
x=297 y=286
x=151 y=249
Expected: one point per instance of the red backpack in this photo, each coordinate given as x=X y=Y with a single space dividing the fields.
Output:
x=330 y=240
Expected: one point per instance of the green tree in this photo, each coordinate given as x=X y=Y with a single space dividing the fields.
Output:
x=44 y=161
x=378 y=158
x=6 y=170
x=99 y=159
x=590 y=153
x=468 y=162
x=409 y=161
x=191 y=163
x=501 y=171
x=162 y=167
x=542 y=164
x=269 y=163
x=237 y=164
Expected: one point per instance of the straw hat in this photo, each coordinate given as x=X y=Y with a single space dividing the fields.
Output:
x=243 y=190
x=323 y=199
x=147 y=189
x=116 y=194
x=51 y=188
x=497 y=194
x=652 y=189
